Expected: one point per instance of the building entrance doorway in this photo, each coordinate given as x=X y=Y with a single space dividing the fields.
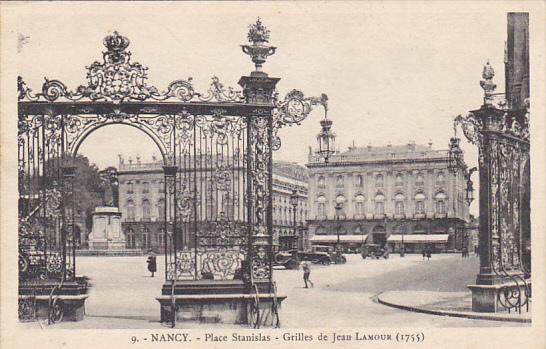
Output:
x=379 y=235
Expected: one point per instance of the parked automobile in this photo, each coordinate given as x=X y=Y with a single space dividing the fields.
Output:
x=318 y=254
x=374 y=251
x=288 y=259
x=324 y=254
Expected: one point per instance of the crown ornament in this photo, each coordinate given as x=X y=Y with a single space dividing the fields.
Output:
x=116 y=45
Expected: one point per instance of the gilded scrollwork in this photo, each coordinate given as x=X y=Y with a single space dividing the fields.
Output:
x=116 y=79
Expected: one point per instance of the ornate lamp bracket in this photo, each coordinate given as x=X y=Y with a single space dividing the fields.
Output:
x=292 y=110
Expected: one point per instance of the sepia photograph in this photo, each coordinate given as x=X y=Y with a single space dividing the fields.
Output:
x=273 y=174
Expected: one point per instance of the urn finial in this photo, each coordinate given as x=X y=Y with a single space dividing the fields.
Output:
x=487 y=83
x=258 y=36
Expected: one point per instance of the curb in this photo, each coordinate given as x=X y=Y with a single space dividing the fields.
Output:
x=450 y=313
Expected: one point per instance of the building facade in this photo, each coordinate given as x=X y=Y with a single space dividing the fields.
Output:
x=396 y=195
x=142 y=204
x=289 y=230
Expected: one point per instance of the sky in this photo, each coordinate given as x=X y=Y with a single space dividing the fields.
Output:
x=393 y=73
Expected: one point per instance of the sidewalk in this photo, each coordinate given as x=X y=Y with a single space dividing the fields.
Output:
x=456 y=304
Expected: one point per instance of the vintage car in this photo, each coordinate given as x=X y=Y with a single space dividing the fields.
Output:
x=316 y=255
x=289 y=259
x=374 y=251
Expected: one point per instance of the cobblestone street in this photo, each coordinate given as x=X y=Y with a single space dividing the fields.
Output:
x=123 y=293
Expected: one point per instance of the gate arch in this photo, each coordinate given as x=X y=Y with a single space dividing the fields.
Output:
x=73 y=152
x=216 y=144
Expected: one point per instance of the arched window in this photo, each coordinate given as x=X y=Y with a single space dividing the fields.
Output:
x=130 y=210
x=420 y=203
x=161 y=186
x=161 y=210
x=440 y=179
x=130 y=238
x=359 y=181
x=441 y=203
x=130 y=187
x=145 y=187
x=399 y=229
x=146 y=238
x=419 y=229
x=379 y=204
x=321 y=183
x=339 y=181
x=399 y=204
x=145 y=210
x=161 y=238
x=379 y=181
x=359 y=205
x=321 y=206
x=399 y=180
x=419 y=179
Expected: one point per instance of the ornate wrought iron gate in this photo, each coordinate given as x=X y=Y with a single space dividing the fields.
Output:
x=217 y=153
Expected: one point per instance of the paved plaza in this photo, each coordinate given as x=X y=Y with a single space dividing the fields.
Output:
x=123 y=294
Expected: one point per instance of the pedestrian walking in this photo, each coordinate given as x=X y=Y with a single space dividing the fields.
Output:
x=306 y=272
x=152 y=265
x=424 y=252
x=429 y=252
x=465 y=252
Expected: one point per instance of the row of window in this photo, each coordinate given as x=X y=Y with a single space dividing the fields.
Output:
x=145 y=187
x=380 y=180
x=285 y=215
x=144 y=239
x=146 y=209
x=379 y=206
x=418 y=229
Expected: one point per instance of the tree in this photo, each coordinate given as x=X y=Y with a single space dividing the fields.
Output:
x=89 y=187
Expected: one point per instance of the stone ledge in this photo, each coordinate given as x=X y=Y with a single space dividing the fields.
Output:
x=267 y=296
x=61 y=297
x=383 y=298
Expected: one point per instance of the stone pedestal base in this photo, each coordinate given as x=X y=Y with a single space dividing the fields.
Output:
x=485 y=298
x=208 y=301
x=73 y=307
x=98 y=244
x=225 y=309
x=34 y=299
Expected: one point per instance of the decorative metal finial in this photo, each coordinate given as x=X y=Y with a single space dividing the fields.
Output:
x=258 y=35
x=487 y=83
x=116 y=45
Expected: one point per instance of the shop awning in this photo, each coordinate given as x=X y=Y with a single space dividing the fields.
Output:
x=419 y=238
x=342 y=238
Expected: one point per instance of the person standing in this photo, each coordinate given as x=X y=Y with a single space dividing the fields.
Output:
x=152 y=265
x=429 y=252
x=306 y=272
x=424 y=252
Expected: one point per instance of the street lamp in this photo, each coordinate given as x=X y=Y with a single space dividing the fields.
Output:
x=403 y=250
x=469 y=194
x=326 y=139
x=339 y=207
x=294 y=202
